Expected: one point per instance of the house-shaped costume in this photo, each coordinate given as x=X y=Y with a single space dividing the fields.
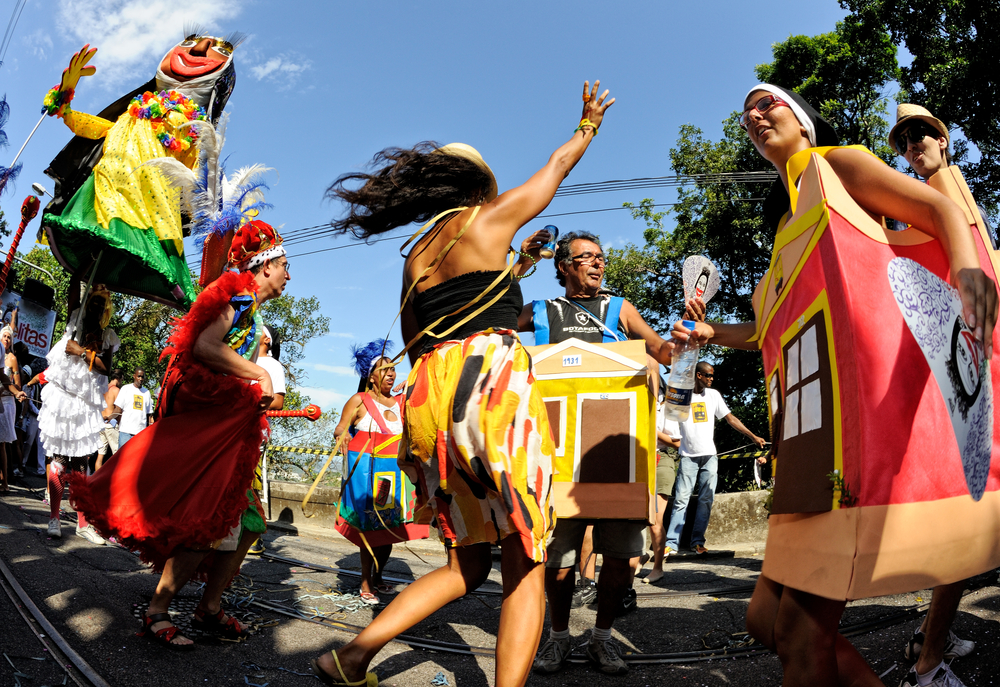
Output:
x=602 y=414
x=870 y=494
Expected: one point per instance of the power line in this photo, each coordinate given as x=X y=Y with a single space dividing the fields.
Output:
x=8 y=35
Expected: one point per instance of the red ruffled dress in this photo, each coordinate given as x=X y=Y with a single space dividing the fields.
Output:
x=183 y=481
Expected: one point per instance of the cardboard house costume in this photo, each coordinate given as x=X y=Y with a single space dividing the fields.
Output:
x=870 y=493
x=602 y=415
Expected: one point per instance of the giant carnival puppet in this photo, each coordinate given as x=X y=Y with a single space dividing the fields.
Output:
x=191 y=511
x=111 y=207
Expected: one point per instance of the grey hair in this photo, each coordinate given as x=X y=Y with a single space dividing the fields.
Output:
x=563 y=256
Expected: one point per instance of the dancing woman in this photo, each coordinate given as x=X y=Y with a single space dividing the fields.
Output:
x=374 y=411
x=489 y=481
x=802 y=626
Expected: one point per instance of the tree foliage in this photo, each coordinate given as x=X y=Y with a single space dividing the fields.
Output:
x=844 y=75
x=954 y=44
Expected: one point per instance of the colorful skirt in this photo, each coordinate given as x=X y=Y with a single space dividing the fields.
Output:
x=478 y=445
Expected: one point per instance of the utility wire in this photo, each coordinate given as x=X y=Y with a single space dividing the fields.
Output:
x=8 y=35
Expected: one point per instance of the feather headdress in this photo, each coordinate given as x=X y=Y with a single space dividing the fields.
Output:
x=6 y=173
x=367 y=355
x=216 y=204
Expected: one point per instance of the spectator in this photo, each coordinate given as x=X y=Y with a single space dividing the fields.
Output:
x=922 y=140
x=8 y=409
x=135 y=404
x=111 y=416
x=668 y=440
x=268 y=351
x=699 y=465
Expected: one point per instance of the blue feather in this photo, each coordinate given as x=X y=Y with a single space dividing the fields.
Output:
x=364 y=355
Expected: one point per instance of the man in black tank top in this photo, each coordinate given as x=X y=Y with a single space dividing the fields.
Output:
x=587 y=313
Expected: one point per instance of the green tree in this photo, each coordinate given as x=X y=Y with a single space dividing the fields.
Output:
x=844 y=74
x=954 y=44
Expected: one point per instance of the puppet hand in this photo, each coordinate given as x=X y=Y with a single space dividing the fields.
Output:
x=979 y=304
x=594 y=107
x=701 y=335
x=78 y=67
x=695 y=309
x=533 y=244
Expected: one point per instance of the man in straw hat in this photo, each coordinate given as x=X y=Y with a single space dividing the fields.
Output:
x=194 y=515
x=922 y=140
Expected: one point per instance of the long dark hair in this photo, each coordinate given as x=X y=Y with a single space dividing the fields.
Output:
x=407 y=185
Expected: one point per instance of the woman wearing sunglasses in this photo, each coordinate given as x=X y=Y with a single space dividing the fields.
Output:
x=803 y=627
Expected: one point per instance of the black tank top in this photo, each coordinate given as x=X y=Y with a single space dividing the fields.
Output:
x=443 y=298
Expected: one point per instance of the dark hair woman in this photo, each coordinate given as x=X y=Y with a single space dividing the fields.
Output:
x=490 y=481
x=370 y=412
x=802 y=626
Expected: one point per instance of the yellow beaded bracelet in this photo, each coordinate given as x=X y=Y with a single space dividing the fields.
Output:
x=586 y=122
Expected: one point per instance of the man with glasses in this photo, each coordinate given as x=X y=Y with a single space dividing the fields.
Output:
x=587 y=313
x=922 y=140
x=698 y=469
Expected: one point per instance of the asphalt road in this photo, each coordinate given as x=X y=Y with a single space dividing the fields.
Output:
x=92 y=594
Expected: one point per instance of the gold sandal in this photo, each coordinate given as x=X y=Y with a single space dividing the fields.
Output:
x=370 y=679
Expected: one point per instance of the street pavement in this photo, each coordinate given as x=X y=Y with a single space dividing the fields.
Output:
x=93 y=595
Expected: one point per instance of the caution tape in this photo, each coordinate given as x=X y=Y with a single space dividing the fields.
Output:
x=748 y=454
x=300 y=449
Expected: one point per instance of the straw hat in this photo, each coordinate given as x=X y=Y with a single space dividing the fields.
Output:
x=470 y=153
x=908 y=111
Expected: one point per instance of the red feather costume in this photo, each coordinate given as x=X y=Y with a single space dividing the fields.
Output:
x=182 y=482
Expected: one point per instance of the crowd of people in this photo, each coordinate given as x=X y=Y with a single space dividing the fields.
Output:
x=481 y=470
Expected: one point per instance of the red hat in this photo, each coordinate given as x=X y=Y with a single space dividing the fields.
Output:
x=254 y=244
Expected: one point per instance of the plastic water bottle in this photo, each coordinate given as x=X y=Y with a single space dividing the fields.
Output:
x=549 y=249
x=680 y=384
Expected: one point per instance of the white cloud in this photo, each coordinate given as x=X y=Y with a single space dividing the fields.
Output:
x=327 y=399
x=284 y=69
x=335 y=369
x=129 y=35
x=39 y=44
x=340 y=335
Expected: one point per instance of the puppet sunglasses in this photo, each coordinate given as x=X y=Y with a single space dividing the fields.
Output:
x=762 y=106
x=223 y=46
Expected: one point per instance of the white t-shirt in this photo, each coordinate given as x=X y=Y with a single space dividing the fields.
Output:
x=698 y=431
x=277 y=372
x=135 y=405
x=668 y=427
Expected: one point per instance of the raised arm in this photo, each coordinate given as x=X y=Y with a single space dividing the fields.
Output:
x=57 y=101
x=516 y=207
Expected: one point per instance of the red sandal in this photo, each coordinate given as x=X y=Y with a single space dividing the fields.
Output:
x=219 y=624
x=164 y=636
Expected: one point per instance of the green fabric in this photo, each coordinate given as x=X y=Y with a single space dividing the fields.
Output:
x=252 y=520
x=134 y=260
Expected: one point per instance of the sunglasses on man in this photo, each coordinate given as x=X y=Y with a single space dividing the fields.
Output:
x=914 y=134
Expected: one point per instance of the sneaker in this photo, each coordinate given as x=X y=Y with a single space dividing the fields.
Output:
x=257 y=547
x=954 y=648
x=17 y=472
x=605 y=656
x=699 y=549
x=552 y=656
x=55 y=529
x=668 y=551
x=628 y=603
x=90 y=534
x=942 y=678
x=585 y=593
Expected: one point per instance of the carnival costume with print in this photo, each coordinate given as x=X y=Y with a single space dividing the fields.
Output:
x=156 y=498
x=476 y=436
x=69 y=421
x=108 y=199
x=861 y=507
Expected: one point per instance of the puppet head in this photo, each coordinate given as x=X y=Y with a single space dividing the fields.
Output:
x=253 y=244
x=100 y=297
x=201 y=67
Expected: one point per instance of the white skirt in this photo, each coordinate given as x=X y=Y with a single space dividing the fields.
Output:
x=69 y=422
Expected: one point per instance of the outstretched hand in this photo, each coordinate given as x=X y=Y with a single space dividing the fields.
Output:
x=979 y=304
x=533 y=244
x=594 y=107
x=78 y=67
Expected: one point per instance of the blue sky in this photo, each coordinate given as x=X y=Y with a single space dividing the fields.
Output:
x=323 y=85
